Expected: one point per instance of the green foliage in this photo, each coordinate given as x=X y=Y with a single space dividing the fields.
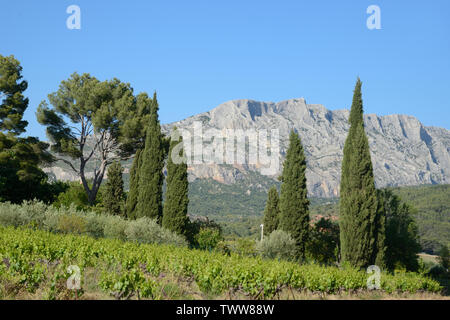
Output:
x=433 y=219
x=271 y=212
x=151 y=177
x=84 y=106
x=146 y=230
x=444 y=257
x=113 y=195
x=72 y=220
x=71 y=224
x=294 y=203
x=323 y=246
x=402 y=237
x=358 y=201
x=75 y=195
x=134 y=186
x=176 y=199
x=208 y=238
x=128 y=268
x=278 y=245
x=13 y=103
x=20 y=157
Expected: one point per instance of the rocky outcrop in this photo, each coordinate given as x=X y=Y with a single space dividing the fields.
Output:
x=404 y=152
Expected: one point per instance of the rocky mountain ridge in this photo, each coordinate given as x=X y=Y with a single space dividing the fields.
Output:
x=404 y=151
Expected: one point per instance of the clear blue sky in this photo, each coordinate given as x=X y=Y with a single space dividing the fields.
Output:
x=198 y=54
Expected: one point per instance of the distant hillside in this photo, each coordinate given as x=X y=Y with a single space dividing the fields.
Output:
x=239 y=208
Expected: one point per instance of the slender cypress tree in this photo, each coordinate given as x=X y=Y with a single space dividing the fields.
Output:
x=176 y=202
x=113 y=196
x=358 y=199
x=271 y=211
x=294 y=203
x=151 y=177
x=134 y=186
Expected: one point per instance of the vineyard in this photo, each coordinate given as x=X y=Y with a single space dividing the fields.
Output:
x=36 y=260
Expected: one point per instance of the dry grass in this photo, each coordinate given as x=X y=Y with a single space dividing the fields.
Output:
x=428 y=258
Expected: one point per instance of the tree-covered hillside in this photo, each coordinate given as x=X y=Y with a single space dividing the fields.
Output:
x=239 y=208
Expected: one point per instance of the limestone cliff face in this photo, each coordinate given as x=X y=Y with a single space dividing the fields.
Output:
x=404 y=152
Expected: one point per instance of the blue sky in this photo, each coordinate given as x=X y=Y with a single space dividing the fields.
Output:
x=198 y=54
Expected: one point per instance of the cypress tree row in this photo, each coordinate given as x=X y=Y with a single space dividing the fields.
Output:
x=358 y=206
x=271 y=211
x=294 y=203
x=176 y=202
x=134 y=186
x=151 y=178
x=113 y=196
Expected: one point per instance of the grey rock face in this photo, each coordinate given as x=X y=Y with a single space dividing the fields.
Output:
x=404 y=152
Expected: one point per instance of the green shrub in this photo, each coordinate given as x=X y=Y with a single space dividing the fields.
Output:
x=146 y=230
x=71 y=224
x=223 y=248
x=208 y=238
x=115 y=227
x=95 y=225
x=278 y=245
x=29 y=212
x=76 y=195
x=72 y=220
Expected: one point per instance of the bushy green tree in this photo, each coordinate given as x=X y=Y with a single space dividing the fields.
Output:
x=20 y=157
x=151 y=177
x=358 y=205
x=324 y=242
x=294 y=203
x=278 y=245
x=176 y=201
x=208 y=238
x=113 y=195
x=74 y=195
x=402 y=239
x=271 y=211
x=134 y=186
x=93 y=123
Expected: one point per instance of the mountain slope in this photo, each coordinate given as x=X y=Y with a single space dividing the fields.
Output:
x=404 y=152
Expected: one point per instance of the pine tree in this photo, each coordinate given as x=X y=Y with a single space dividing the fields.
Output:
x=113 y=196
x=358 y=198
x=134 y=186
x=294 y=203
x=13 y=104
x=176 y=202
x=21 y=177
x=151 y=177
x=271 y=211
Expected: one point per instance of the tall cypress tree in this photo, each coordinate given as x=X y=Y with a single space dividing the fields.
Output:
x=176 y=202
x=358 y=205
x=294 y=203
x=134 y=186
x=151 y=177
x=271 y=211
x=113 y=196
